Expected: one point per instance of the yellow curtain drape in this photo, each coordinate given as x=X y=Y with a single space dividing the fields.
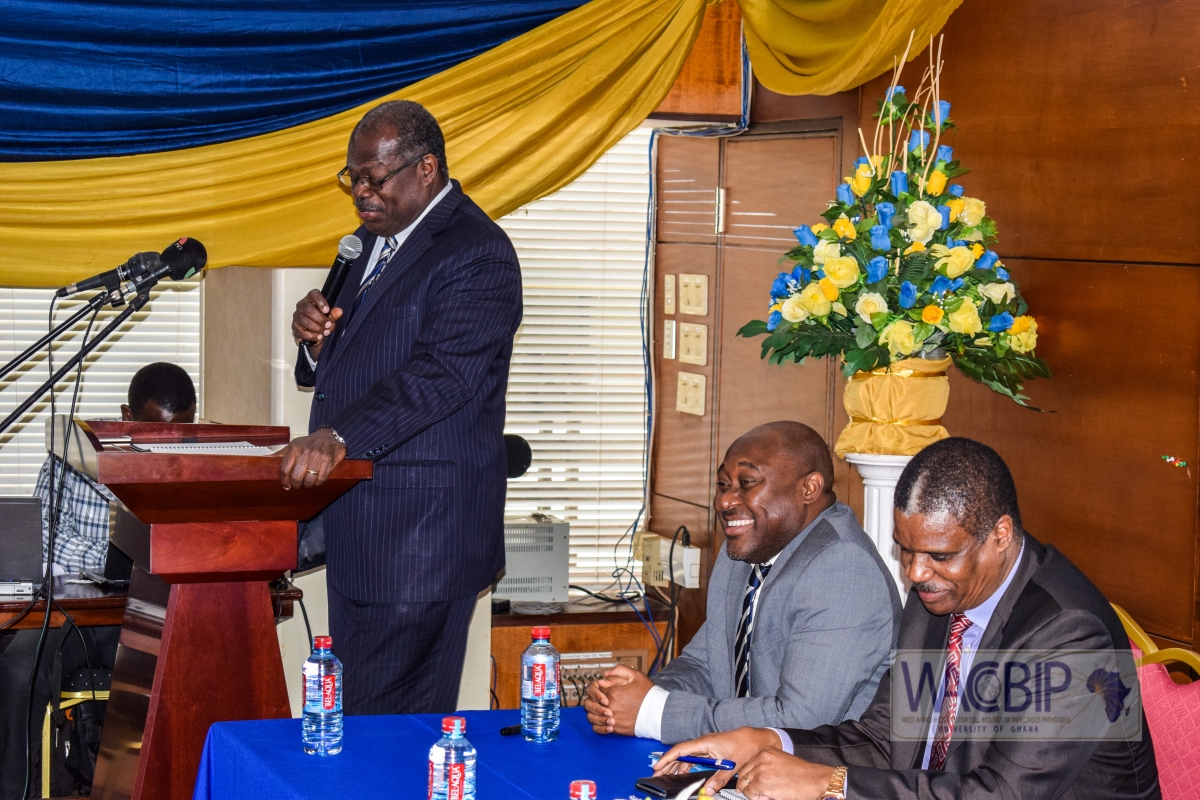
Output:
x=828 y=46
x=520 y=120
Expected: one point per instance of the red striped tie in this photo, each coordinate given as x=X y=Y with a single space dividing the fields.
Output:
x=945 y=727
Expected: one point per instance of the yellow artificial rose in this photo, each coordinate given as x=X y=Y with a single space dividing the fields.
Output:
x=845 y=228
x=860 y=184
x=793 y=310
x=936 y=183
x=956 y=261
x=825 y=251
x=814 y=301
x=1026 y=339
x=838 y=308
x=973 y=211
x=923 y=220
x=870 y=303
x=966 y=319
x=828 y=288
x=956 y=208
x=932 y=314
x=998 y=293
x=977 y=249
x=899 y=338
x=843 y=271
x=915 y=247
x=820 y=226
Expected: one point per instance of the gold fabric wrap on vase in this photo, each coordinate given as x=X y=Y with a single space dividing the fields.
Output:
x=896 y=410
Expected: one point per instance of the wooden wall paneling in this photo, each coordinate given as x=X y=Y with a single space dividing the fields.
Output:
x=687 y=171
x=1078 y=121
x=1091 y=477
x=681 y=466
x=710 y=84
x=666 y=515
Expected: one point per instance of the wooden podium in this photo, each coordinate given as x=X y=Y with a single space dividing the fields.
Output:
x=198 y=645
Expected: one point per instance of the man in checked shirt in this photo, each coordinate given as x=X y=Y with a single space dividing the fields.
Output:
x=159 y=392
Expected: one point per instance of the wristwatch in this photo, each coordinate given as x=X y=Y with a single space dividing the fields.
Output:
x=837 y=785
x=336 y=436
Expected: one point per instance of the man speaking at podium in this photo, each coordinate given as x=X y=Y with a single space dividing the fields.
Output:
x=409 y=364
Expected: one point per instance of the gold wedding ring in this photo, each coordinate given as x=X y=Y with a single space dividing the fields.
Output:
x=312 y=472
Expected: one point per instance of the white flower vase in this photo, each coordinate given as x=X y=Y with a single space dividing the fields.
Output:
x=880 y=474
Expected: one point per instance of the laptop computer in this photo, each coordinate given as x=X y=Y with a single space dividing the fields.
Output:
x=21 y=545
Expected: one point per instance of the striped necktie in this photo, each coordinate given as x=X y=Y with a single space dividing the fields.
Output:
x=945 y=727
x=385 y=255
x=745 y=631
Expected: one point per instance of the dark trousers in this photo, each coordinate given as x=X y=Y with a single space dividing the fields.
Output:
x=400 y=658
x=79 y=647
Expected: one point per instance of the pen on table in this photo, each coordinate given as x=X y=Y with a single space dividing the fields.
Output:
x=715 y=763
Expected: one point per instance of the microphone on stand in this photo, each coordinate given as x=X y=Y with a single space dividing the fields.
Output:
x=137 y=265
x=181 y=259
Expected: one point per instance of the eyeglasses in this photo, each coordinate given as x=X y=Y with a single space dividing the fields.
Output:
x=350 y=180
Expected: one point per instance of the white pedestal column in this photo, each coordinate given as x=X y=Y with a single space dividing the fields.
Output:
x=880 y=474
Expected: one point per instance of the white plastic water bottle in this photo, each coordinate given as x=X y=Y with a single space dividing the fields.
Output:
x=583 y=790
x=452 y=763
x=539 y=689
x=322 y=730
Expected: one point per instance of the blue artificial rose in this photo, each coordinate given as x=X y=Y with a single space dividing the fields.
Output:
x=1001 y=322
x=1002 y=273
x=780 y=287
x=818 y=274
x=941 y=284
x=844 y=194
x=987 y=260
x=945 y=152
x=877 y=269
x=956 y=190
x=952 y=242
x=805 y=235
x=899 y=183
x=956 y=284
x=945 y=211
x=886 y=212
x=800 y=275
x=942 y=112
x=892 y=92
x=918 y=140
x=908 y=294
x=879 y=238
x=773 y=320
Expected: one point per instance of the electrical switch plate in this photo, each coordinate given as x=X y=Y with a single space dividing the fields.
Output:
x=693 y=343
x=693 y=294
x=668 y=294
x=669 y=338
x=689 y=398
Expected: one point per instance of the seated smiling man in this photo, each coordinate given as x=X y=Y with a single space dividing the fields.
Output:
x=802 y=614
x=983 y=591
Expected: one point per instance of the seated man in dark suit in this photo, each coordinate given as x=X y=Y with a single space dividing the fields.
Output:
x=984 y=585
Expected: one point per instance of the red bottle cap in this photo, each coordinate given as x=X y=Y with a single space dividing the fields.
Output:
x=448 y=724
x=323 y=642
x=583 y=790
x=541 y=633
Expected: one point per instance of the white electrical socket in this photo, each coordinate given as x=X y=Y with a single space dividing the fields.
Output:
x=656 y=551
x=693 y=343
x=689 y=397
x=668 y=338
x=668 y=294
x=693 y=294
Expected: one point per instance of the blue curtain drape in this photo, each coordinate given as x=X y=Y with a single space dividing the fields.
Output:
x=119 y=77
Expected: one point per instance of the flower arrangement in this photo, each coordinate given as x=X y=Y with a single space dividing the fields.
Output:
x=904 y=264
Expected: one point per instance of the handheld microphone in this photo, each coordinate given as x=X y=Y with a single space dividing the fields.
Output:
x=349 y=248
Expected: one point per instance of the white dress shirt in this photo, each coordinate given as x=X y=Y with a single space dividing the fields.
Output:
x=378 y=248
x=649 y=718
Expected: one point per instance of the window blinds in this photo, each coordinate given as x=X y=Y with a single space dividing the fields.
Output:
x=166 y=329
x=576 y=390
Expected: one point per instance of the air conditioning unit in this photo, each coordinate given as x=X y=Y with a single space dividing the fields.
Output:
x=537 y=560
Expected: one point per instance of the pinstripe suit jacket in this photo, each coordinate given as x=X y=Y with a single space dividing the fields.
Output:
x=415 y=380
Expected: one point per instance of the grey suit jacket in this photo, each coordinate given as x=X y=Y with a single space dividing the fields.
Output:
x=824 y=631
x=1049 y=604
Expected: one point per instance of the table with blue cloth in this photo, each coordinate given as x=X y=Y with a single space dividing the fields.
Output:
x=388 y=756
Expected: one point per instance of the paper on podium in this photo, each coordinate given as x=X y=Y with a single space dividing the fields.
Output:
x=208 y=448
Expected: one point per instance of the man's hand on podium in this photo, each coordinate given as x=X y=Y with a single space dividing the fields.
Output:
x=309 y=460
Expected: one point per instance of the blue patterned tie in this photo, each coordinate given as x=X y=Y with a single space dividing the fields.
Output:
x=745 y=631
x=385 y=255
